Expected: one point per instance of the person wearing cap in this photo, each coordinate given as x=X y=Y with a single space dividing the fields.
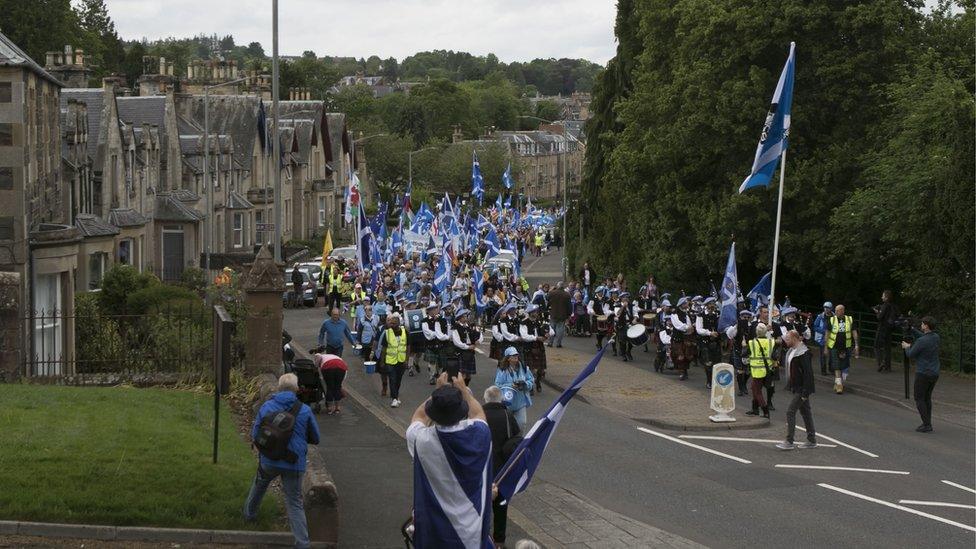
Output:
x=465 y=338
x=842 y=337
x=595 y=308
x=450 y=443
x=758 y=353
x=534 y=333
x=497 y=336
x=820 y=326
x=663 y=345
x=706 y=324
x=436 y=333
x=683 y=347
x=393 y=348
x=624 y=317
x=516 y=382
x=739 y=362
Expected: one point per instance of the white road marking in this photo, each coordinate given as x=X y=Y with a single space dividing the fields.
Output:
x=844 y=444
x=899 y=507
x=936 y=504
x=739 y=439
x=960 y=486
x=686 y=443
x=835 y=468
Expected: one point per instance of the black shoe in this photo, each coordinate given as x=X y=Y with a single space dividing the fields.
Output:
x=624 y=358
x=880 y=368
x=752 y=413
x=683 y=377
x=771 y=407
x=924 y=429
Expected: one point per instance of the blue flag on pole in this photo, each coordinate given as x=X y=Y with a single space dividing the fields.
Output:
x=363 y=240
x=507 y=177
x=477 y=181
x=492 y=240
x=759 y=294
x=776 y=132
x=728 y=296
x=479 y=291
x=441 y=275
x=514 y=477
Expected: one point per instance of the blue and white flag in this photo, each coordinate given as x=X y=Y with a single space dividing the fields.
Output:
x=507 y=177
x=728 y=297
x=508 y=201
x=452 y=490
x=480 y=302
x=776 y=132
x=514 y=477
x=363 y=240
x=759 y=294
x=483 y=222
x=447 y=209
x=442 y=275
x=498 y=202
x=492 y=240
x=477 y=181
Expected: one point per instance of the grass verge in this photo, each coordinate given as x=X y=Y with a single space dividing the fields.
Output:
x=125 y=457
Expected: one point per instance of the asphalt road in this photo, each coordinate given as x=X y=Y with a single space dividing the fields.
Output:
x=721 y=501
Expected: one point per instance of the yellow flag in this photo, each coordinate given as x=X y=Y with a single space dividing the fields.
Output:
x=326 y=247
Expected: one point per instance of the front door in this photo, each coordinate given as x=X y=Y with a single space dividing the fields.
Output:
x=172 y=255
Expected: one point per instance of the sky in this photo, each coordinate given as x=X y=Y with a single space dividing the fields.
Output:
x=514 y=30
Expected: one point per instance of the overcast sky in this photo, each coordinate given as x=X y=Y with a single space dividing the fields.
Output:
x=514 y=30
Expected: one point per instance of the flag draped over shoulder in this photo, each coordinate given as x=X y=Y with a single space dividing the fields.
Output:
x=776 y=132
x=728 y=295
x=514 y=477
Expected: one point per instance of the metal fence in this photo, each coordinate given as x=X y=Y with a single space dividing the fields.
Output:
x=88 y=347
x=957 y=350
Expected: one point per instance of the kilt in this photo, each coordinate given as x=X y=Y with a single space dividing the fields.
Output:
x=467 y=363
x=495 y=350
x=682 y=353
x=534 y=356
x=432 y=353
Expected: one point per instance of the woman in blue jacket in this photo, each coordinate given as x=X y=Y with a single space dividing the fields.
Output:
x=516 y=383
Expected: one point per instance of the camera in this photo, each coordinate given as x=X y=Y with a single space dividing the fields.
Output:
x=906 y=324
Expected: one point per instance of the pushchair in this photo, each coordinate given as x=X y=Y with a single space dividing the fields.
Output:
x=311 y=388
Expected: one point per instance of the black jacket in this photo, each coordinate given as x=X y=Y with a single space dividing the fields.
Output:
x=497 y=415
x=801 y=373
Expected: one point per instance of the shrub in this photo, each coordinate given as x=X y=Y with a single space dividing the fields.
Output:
x=157 y=297
x=118 y=284
x=194 y=279
x=99 y=346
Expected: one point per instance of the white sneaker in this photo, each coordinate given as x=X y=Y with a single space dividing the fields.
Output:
x=394 y=403
x=786 y=445
x=807 y=445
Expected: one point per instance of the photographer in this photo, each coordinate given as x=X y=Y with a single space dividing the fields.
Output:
x=925 y=352
x=886 y=314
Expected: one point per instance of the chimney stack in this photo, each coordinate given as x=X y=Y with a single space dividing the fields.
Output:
x=79 y=57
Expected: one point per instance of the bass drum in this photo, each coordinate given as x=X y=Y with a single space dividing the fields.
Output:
x=637 y=334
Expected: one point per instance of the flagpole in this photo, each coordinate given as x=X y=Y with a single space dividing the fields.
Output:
x=779 y=217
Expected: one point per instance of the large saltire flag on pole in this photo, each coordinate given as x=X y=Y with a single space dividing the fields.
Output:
x=729 y=294
x=479 y=291
x=776 y=132
x=507 y=177
x=514 y=477
x=477 y=180
x=363 y=240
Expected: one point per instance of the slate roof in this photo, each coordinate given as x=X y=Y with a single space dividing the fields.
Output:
x=94 y=100
x=185 y=195
x=234 y=115
x=126 y=217
x=13 y=56
x=92 y=226
x=305 y=132
x=337 y=133
x=170 y=208
x=236 y=201
x=147 y=109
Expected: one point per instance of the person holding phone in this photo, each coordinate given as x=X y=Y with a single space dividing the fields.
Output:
x=516 y=383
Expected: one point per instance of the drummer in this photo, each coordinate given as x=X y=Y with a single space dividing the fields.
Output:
x=624 y=316
x=683 y=348
x=598 y=313
x=465 y=339
x=534 y=334
x=663 y=346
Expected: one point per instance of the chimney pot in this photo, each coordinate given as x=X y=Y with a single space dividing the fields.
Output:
x=67 y=49
x=162 y=65
x=79 y=56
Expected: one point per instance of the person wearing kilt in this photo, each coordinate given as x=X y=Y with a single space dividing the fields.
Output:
x=464 y=338
x=624 y=317
x=708 y=338
x=534 y=333
x=683 y=348
x=435 y=334
x=500 y=334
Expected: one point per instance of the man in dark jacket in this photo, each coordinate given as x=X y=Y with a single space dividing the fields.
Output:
x=503 y=426
x=559 y=310
x=925 y=353
x=886 y=314
x=305 y=432
x=800 y=383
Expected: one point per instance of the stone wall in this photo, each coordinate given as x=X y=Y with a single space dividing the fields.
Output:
x=11 y=334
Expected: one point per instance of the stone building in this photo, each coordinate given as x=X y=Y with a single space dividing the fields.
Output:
x=69 y=66
x=38 y=241
x=551 y=161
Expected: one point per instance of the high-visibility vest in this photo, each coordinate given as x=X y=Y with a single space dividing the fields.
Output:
x=539 y=241
x=396 y=347
x=759 y=356
x=835 y=328
x=335 y=280
x=354 y=296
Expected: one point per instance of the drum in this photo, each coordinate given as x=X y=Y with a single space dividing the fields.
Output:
x=648 y=319
x=637 y=334
x=602 y=323
x=370 y=366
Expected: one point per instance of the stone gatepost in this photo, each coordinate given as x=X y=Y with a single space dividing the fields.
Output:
x=263 y=285
x=11 y=333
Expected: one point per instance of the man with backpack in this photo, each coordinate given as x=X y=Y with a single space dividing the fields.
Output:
x=283 y=429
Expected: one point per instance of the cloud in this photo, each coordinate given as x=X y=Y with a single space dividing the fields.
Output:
x=513 y=30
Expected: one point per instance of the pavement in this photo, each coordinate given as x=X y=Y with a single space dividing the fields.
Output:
x=610 y=470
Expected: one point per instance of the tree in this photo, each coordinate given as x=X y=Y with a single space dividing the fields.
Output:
x=548 y=110
x=255 y=50
x=40 y=26
x=103 y=41
x=132 y=63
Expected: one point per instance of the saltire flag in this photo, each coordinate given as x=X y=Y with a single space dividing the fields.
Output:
x=776 y=131
x=514 y=477
x=483 y=222
x=508 y=201
x=447 y=209
x=326 y=247
x=492 y=240
x=507 y=177
x=396 y=242
x=479 y=291
x=728 y=297
x=515 y=219
x=759 y=294
x=363 y=239
x=498 y=202
x=442 y=275
x=477 y=180
x=374 y=280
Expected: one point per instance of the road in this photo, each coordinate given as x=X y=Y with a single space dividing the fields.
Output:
x=739 y=493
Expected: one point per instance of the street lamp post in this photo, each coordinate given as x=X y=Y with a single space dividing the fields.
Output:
x=275 y=141
x=208 y=235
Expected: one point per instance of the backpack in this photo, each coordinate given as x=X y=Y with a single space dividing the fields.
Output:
x=274 y=433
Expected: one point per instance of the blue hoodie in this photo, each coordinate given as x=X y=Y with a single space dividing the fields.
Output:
x=507 y=378
x=306 y=430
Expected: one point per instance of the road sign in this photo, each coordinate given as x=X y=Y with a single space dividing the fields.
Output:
x=264 y=226
x=723 y=392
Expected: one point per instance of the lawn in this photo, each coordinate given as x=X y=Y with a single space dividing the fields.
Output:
x=123 y=456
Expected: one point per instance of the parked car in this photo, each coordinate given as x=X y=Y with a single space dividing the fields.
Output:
x=347 y=253
x=314 y=270
x=308 y=291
